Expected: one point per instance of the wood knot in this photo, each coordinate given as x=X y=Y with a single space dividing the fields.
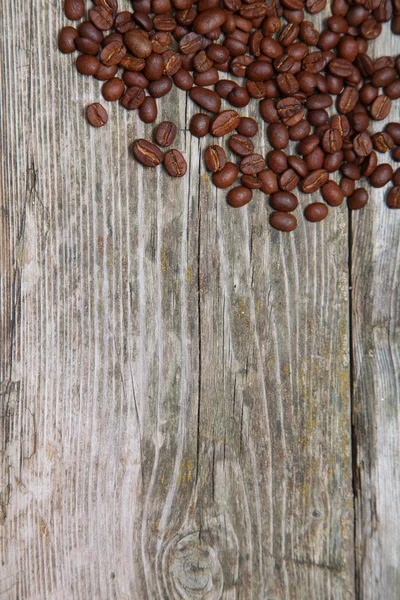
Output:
x=192 y=569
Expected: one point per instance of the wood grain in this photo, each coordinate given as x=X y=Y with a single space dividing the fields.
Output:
x=175 y=375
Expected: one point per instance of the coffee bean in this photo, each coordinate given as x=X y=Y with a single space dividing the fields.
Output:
x=174 y=163
x=299 y=131
x=239 y=196
x=333 y=161
x=238 y=97
x=251 y=181
x=247 y=126
x=347 y=185
x=362 y=144
x=148 y=110
x=393 y=197
x=209 y=20
x=283 y=221
x=351 y=171
x=74 y=9
x=369 y=164
x=200 y=125
x=283 y=201
x=358 y=199
x=252 y=164
x=380 y=108
x=278 y=135
x=290 y=111
x=393 y=129
x=147 y=153
x=315 y=159
x=298 y=165
x=132 y=78
x=332 y=193
x=137 y=43
x=315 y=212
x=277 y=161
x=241 y=145
x=96 y=115
x=183 y=80
x=104 y=73
x=87 y=65
x=381 y=176
x=347 y=100
x=101 y=18
x=165 y=133
x=66 y=40
x=215 y=158
x=225 y=122
x=268 y=111
x=396 y=154
x=288 y=180
x=313 y=181
x=113 y=89
x=332 y=141
x=396 y=177
x=206 y=99
x=382 y=142
x=133 y=97
x=161 y=87
x=226 y=176
x=392 y=90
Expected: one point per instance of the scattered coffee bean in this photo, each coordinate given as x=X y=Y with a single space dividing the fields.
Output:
x=393 y=197
x=247 y=126
x=165 y=133
x=96 y=115
x=269 y=181
x=317 y=211
x=113 y=89
x=252 y=164
x=283 y=221
x=200 y=125
x=241 y=145
x=226 y=176
x=174 y=163
x=147 y=153
x=332 y=193
x=66 y=39
x=358 y=199
x=239 y=196
x=381 y=176
x=225 y=122
x=313 y=181
x=215 y=158
x=283 y=201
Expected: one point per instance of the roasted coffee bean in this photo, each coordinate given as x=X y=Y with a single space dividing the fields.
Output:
x=66 y=40
x=132 y=63
x=396 y=154
x=308 y=144
x=252 y=164
x=223 y=87
x=362 y=144
x=393 y=129
x=393 y=197
x=351 y=171
x=104 y=73
x=283 y=221
x=278 y=135
x=154 y=67
x=315 y=212
x=396 y=177
x=241 y=145
x=226 y=176
x=111 y=5
x=147 y=153
x=209 y=20
x=96 y=115
x=238 y=97
x=200 y=125
x=392 y=90
x=206 y=99
x=347 y=185
x=288 y=180
x=86 y=29
x=315 y=180
x=383 y=77
x=283 y=201
x=333 y=161
x=148 y=110
x=299 y=131
x=268 y=111
x=315 y=159
x=215 y=158
x=174 y=163
x=247 y=126
x=269 y=181
x=382 y=142
x=207 y=78
x=137 y=43
x=369 y=164
x=341 y=123
x=165 y=133
x=113 y=53
x=74 y=9
x=298 y=165
x=239 y=196
x=183 y=80
x=290 y=111
x=332 y=193
x=113 y=89
x=101 y=18
x=251 y=181
x=224 y=123
x=133 y=97
x=381 y=176
x=161 y=87
x=132 y=78
x=359 y=121
x=277 y=161
x=87 y=65
x=380 y=108
x=347 y=100
x=332 y=141
x=358 y=199
x=87 y=46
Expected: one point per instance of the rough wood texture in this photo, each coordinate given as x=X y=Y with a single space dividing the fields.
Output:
x=175 y=375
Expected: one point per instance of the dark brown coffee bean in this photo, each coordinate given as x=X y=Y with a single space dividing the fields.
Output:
x=238 y=97
x=215 y=158
x=333 y=161
x=347 y=100
x=137 y=43
x=241 y=145
x=358 y=199
x=164 y=23
x=200 y=125
x=278 y=135
x=381 y=176
x=393 y=197
x=380 y=108
x=315 y=212
x=347 y=185
x=341 y=123
x=393 y=129
x=298 y=165
x=111 y=5
x=308 y=144
x=332 y=193
x=96 y=115
x=113 y=89
x=87 y=46
x=288 y=180
x=315 y=6
x=251 y=181
x=223 y=87
x=104 y=73
x=190 y=43
x=283 y=201
x=252 y=164
x=396 y=154
x=382 y=142
x=315 y=180
x=165 y=133
x=239 y=196
x=132 y=63
x=224 y=123
x=392 y=90
x=247 y=126
x=66 y=40
x=290 y=111
x=133 y=97
x=174 y=163
x=308 y=33
x=351 y=171
x=369 y=164
x=154 y=67
x=161 y=87
x=283 y=221
x=226 y=176
x=209 y=20
x=132 y=78
x=207 y=99
x=148 y=110
x=86 y=29
x=299 y=131
x=113 y=53
x=74 y=9
x=315 y=159
x=362 y=144
x=147 y=153
x=268 y=181
x=183 y=80
x=268 y=111
x=396 y=177
x=332 y=141
x=101 y=18
x=383 y=77
x=277 y=161
x=87 y=65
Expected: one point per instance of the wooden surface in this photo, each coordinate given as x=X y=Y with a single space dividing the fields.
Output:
x=177 y=379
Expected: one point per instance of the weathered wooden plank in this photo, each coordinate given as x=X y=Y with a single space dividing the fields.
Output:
x=376 y=366
x=177 y=385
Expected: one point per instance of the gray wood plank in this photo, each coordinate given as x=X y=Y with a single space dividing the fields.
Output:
x=176 y=374
x=376 y=368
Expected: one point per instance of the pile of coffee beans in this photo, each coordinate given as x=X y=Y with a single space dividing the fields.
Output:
x=318 y=89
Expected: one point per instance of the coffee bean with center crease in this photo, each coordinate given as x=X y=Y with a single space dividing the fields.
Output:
x=165 y=133
x=96 y=115
x=251 y=181
x=252 y=164
x=101 y=18
x=382 y=142
x=393 y=197
x=380 y=108
x=226 y=176
x=362 y=144
x=358 y=199
x=133 y=97
x=215 y=158
x=347 y=100
x=315 y=212
x=369 y=164
x=174 y=163
x=74 y=9
x=241 y=145
x=200 y=125
x=283 y=201
x=381 y=176
x=332 y=193
x=290 y=111
x=239 y=196
x=332 y=141
x=283 y=221
x=138 y=43
x=313 y=181
x=225 y=122
x=147 y=153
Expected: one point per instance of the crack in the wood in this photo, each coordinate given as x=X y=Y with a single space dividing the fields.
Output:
x=199 y=318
